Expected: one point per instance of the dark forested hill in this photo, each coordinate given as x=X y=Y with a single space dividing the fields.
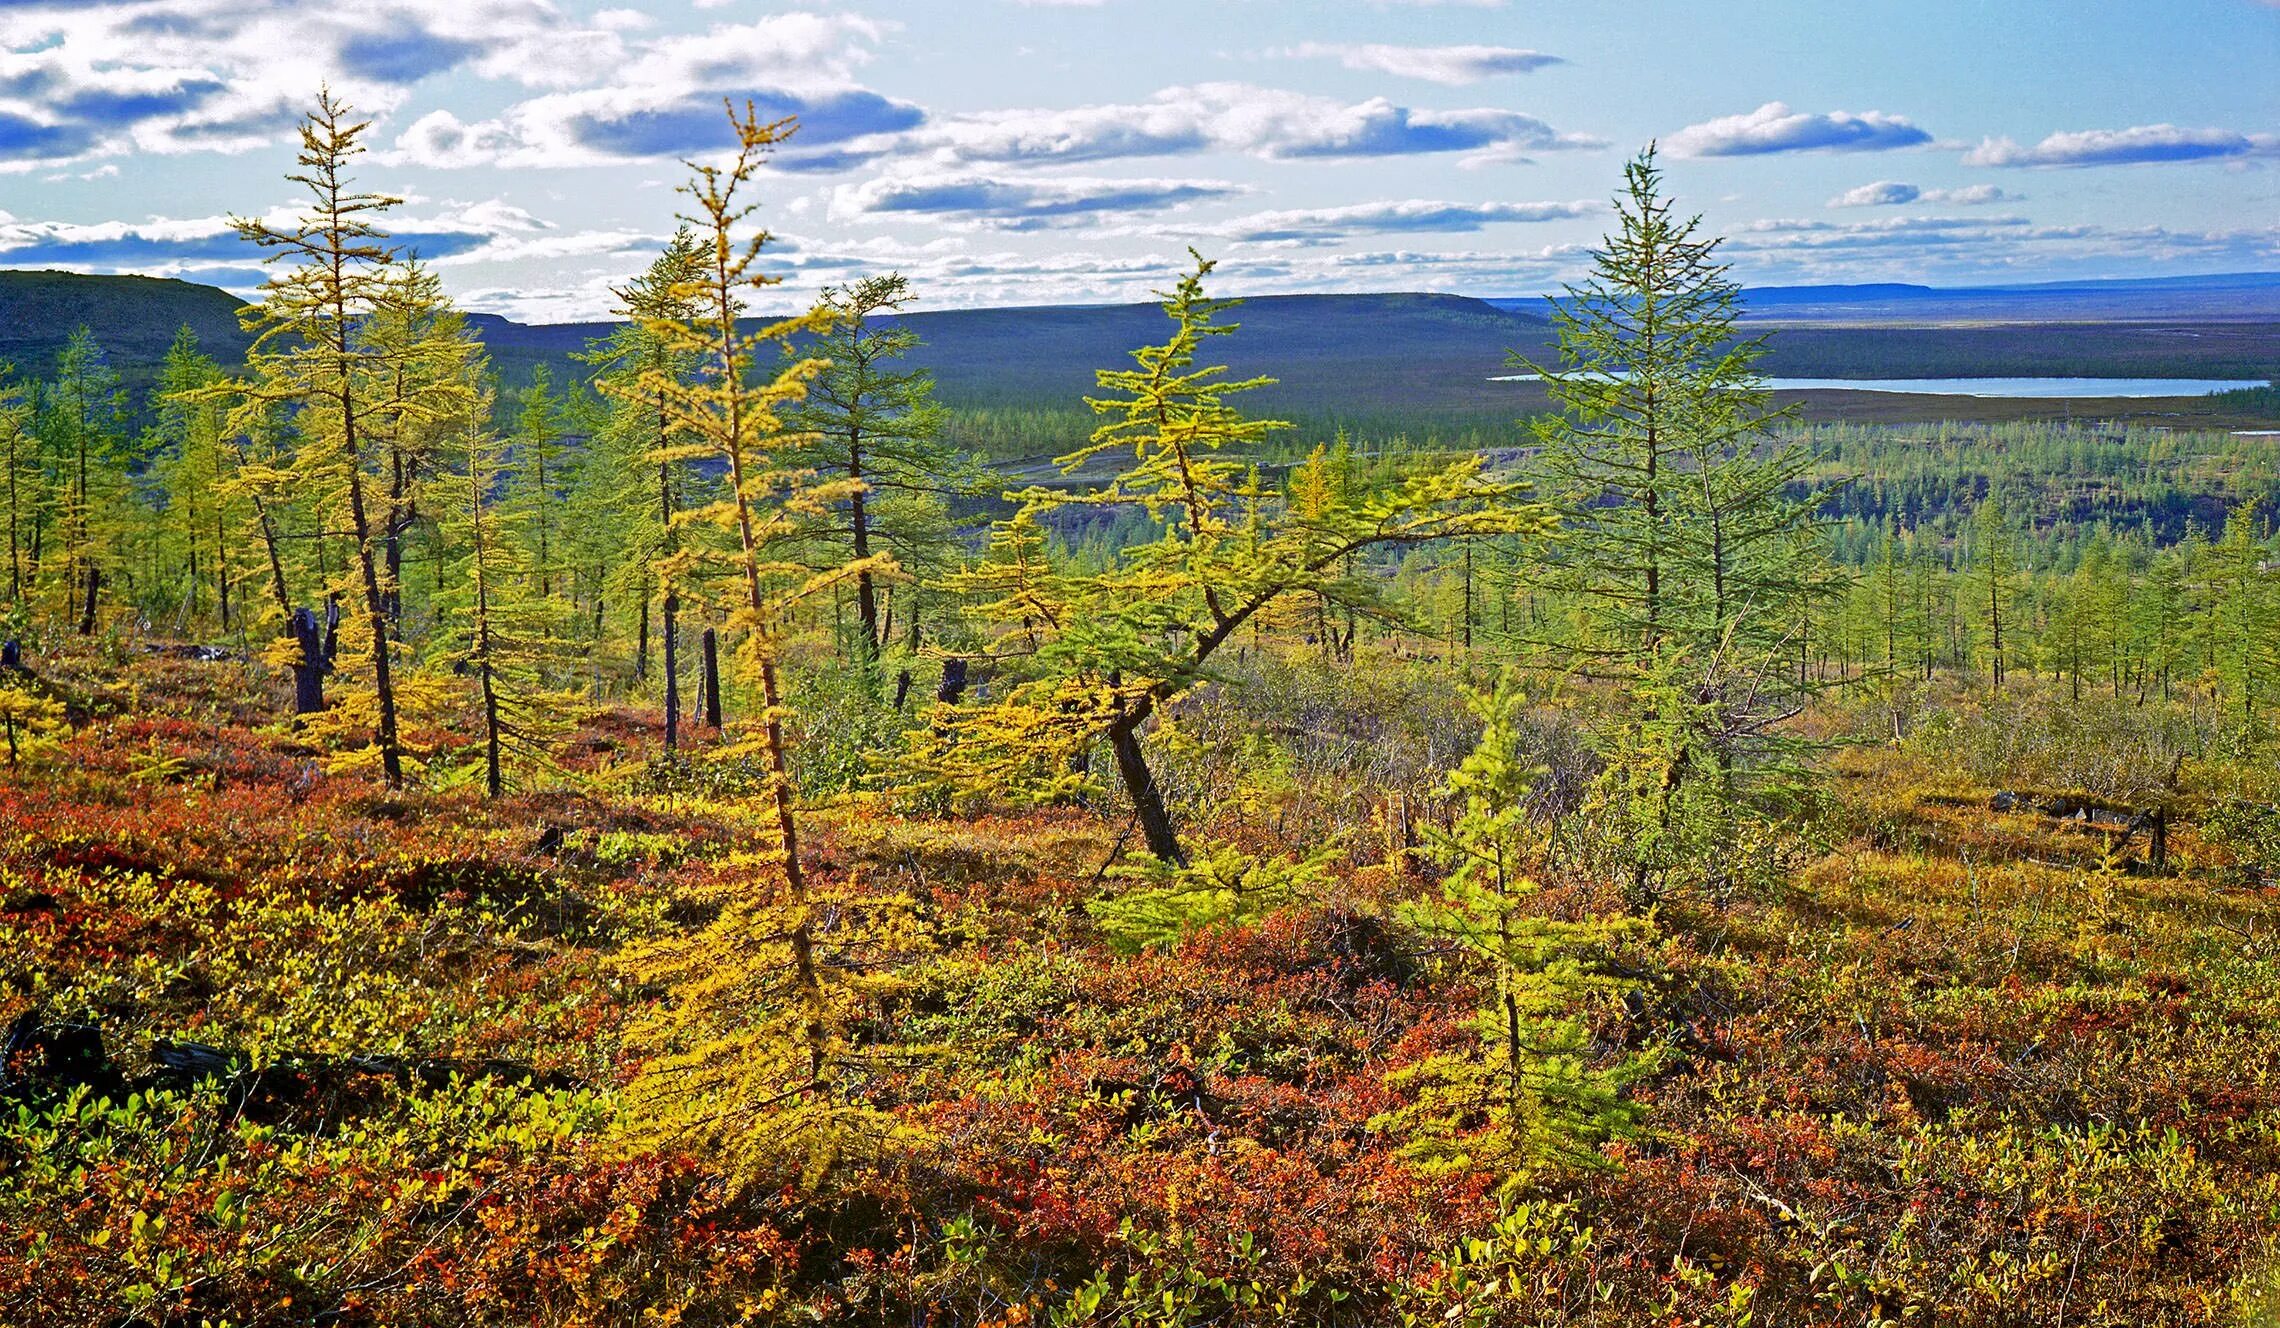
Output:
x=1337 y=357
x=134 y=317
x=1328 y=351
x=1331 y=352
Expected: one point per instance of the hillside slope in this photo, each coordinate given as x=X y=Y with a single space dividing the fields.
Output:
x=1328 y=352
x=1336 y=357
x=134 y=317
x=1331 y=352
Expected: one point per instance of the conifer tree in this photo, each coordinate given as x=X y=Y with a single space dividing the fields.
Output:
x=1647 y=357
x=539 y=474
x=1033 y=747
x=1995 y=560
x=604 y=508
x=187 y=463
x=2240 y=613
x=874 y=423
x=2099 y=590
x=25 y=481
x=757 y=1056
x=2196 y=554
x=422 y=358
x=2162 y=607
x=497 y=628
x=308 y=352
x=1143 y=630
x=1690 y=540
x=641 y=451
x=1527 y=1097
x=1924 y=587
x=256 y=467
x=1895 y=608
x=84 y=424
x=1315 y=488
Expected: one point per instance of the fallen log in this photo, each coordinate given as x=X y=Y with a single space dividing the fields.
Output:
x=2120 y=821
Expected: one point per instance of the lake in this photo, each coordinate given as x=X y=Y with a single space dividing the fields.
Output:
x=2002 y=387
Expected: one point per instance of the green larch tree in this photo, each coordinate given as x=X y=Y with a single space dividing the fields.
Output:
x=1143 y=629
x=1995 y=556
x=493 y=624
x=757 y=1056
x=2240 y=613
x=422 y=358
x=540 y=449
x=1689 y=537
x=308 y=352
x=872 y=421
x=186 y=445
x=1528 y=1097
x=2163 y=607
x=83 y=424
x=639 y=466
x=256 y=469
x=25 y=480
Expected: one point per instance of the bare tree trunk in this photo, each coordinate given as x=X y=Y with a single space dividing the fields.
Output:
x=1140 y=783
x=376 y=613
x=641 y=640
x=866 y=595
x=710 y=699
x=309 y=673
x=393 y=531
x=494 y=780
x=672 y=671
x=221 y=566
x=1468 y=594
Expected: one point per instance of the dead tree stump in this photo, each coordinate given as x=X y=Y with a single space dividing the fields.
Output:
x=710 y=700
x=309 y=671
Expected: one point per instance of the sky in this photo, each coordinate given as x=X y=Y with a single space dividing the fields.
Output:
x=1010 y=152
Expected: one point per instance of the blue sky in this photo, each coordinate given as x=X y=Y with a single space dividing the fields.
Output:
x=1003 y=152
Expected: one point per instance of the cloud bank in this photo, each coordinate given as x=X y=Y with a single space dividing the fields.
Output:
x=1773 y=128
x=1450 y=65
x=2138 y=145
x=1893 y=193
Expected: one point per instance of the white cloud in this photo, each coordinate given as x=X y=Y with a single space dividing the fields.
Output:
x=448 y=234
x=1976 y=195
x=172 y=76
x=2138 y=145
x=1237 y=118
x=1018 y=202
x=1883 y=193
x=1978 y=248
x=666 y=100
x=1893 y=193
x=781 y=50
x=1451 y=65
x=1324 y=225
x=1773 y=127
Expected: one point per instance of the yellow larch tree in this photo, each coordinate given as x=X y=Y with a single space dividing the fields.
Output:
x=754 y=1053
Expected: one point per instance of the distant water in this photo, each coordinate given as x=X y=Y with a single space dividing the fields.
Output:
x=2003 y=387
